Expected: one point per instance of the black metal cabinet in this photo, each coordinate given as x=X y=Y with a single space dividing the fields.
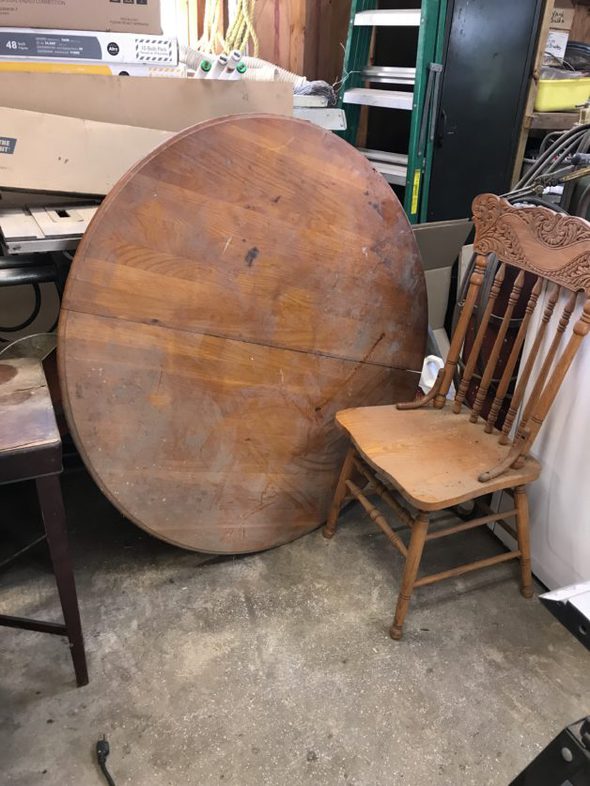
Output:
x=488 y=60
x=489 y=55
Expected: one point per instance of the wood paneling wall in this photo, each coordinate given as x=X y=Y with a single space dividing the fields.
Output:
x=304 y=36
x=581 y=26
x=281 y=26
x=326 y=55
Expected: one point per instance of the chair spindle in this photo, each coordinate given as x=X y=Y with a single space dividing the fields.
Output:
x=548 y=362
x=513 y=358
x=475 y=283
x=528 y=366
x=581 y=329
x=475 y=349
x=496 y=349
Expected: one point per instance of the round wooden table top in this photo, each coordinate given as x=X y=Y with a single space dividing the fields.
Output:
x=240 y=285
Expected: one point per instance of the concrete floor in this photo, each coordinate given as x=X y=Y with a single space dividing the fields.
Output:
x=277 y=668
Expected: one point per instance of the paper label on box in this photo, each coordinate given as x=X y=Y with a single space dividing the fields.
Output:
x=7 y=145
x=153 y=50
x=40 y=45
x=80 y=47
x=556 y=43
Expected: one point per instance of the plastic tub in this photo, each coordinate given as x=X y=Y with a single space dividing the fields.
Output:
x=554 y=95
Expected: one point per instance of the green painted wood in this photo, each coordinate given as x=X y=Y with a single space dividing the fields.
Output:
x=438 y=58
x=429 y=50
x=356 y=57
x=419 y=161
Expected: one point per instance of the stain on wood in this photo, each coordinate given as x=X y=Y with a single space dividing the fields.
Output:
x=210 y=332
x=27 y=421
x=251 y=255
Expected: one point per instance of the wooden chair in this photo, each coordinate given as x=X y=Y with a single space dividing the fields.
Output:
x=433 y=454
x=30 y=448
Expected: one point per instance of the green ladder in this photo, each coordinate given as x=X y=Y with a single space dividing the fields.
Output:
x=411 y=170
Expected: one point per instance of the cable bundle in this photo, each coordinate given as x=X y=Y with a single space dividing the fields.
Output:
x=551 y=158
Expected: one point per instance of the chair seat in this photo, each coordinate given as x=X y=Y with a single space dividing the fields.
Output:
x=431 y=456
x=30 y=444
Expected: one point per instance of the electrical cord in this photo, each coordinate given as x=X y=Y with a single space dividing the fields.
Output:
x=102 y=754
x=578 y=132
x=584 y=202
x=550 y=137
x=565 y=151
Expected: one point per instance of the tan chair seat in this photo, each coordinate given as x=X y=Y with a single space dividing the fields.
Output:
x=431 y=456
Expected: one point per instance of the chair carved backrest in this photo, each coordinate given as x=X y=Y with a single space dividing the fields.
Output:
x=554 y=248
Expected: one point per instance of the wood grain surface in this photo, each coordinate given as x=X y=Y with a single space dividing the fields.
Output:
x=433 y=457
x=27 y=421
x=248 y=279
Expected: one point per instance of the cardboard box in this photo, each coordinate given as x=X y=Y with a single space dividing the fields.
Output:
x=65 y=45
x=42 y=152
x=90 y=67
x=562 y=17
x=169 y=104
x=128 y=16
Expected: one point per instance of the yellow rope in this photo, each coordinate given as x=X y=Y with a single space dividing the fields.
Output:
x=209 y=40
x=238 y=34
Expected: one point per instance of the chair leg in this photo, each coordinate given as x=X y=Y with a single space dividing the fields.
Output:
x=415 y=549
x=52 y=509
x=341 y=490
x=521 y=502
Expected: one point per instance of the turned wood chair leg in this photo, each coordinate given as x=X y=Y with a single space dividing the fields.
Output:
x=415 y=549
x=521 y=502
x=341 y=491
x=54 y=519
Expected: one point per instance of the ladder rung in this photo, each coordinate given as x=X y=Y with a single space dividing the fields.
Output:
x=385 y=156
x=391 y=172
x=390 y=75
x=390 y=99
x=388 y=18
